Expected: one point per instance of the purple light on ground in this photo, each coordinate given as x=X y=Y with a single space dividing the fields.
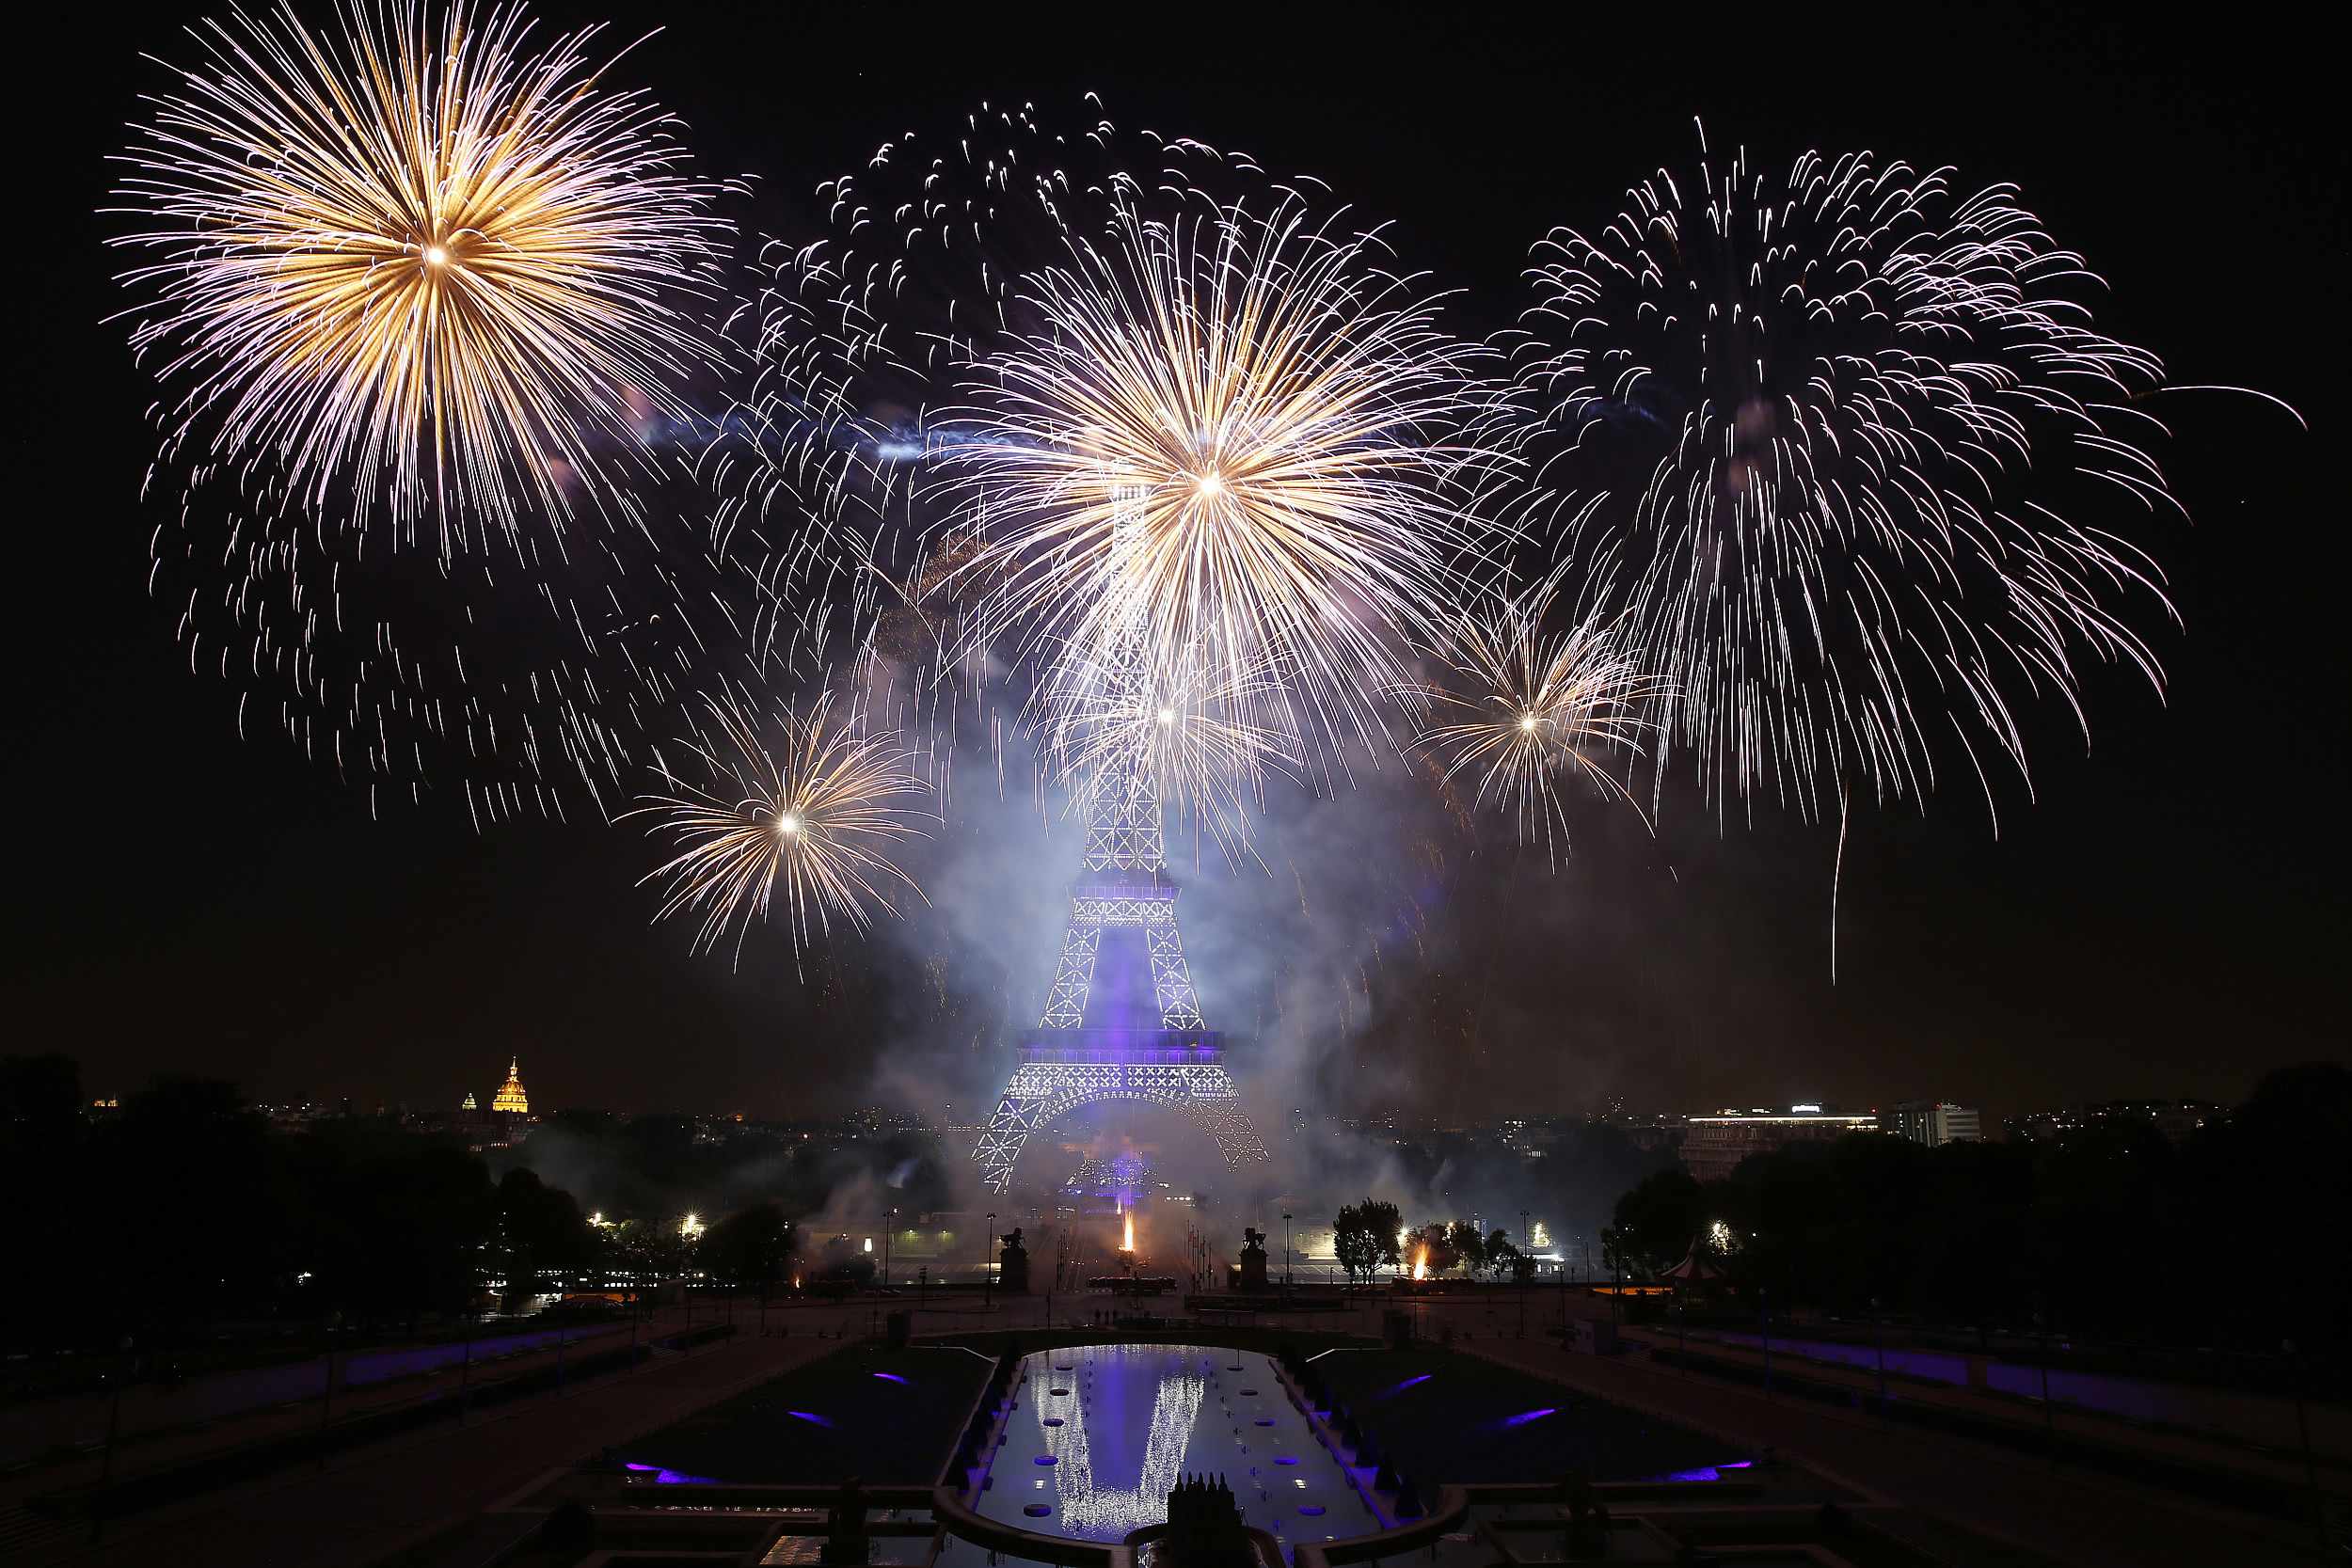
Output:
x=1036 y=1510
x=671 y=1478
x=1312 y=1510
x=1526 y=1416
x=1705 y=1472
x=890 y=1377
x=1045 y=1459
x=1265 y=1421
x=637 y=1466
x=1407 y=1383
x=810 y=1417
x=1287 y=1458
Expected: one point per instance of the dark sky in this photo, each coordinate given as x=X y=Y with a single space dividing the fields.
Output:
x=2167 y=918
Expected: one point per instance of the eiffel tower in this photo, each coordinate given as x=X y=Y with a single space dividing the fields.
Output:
x=1103 y=1037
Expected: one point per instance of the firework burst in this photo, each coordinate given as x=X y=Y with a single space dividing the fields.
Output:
x=1528 y=711
x=1844 y=404
x=1225 y=441
x=813 y=819
x=419 y=268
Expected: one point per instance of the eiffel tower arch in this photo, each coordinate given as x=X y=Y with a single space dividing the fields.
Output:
x=1122 y=1020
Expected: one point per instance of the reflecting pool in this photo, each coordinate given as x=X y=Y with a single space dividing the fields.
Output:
x=1100 y=1435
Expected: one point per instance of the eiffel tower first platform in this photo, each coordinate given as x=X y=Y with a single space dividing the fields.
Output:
x=1123 y=1021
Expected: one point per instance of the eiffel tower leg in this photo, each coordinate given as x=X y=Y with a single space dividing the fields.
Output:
x=1223 y=1120
x=1017 y=1115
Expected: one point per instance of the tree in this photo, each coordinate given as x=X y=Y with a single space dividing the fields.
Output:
x=752 y=1248
x=1467 y=1245
x=1432 y=1247
x=1363 y=1237
x=1503 y=1256
x=1655 y=1223
x=540 y=1229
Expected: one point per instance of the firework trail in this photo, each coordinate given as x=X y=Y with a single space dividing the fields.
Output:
x=1812 y=429
x=416 y=270
x=1528 y=711
x=814 y=816
x=422 y=267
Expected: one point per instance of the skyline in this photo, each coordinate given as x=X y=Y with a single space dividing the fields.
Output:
x=2165 y=919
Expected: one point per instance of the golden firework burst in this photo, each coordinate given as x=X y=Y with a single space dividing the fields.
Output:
x=1226 y=437
x=1530 y=711
x=419 y=267
x=814 y=816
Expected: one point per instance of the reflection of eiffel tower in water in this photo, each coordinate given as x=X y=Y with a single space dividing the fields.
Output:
x=1104 y=1036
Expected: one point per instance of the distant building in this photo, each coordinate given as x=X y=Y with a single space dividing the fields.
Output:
x=1935 y=1123
x=511 y=1098
x=1713 y=1145
x=2175 y=1118
x=468 y=1105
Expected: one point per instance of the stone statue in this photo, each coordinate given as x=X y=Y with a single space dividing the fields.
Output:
x=1012 y=1274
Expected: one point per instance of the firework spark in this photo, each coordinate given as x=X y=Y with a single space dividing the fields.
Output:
x=1226 y=439
x=1845 y=404
x=421 y=268
x=816 y=816
x=1187 y=731
x=1529 y=711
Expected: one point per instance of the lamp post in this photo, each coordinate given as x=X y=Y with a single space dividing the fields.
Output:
x=2049 y=1415
x=892 y=1225
x=1877 y=1323
x=1286 y=1249
x=2302 y=1430
x=114 y=1425
x=987 y=1261
x=465 y=1367
x=327 y=1389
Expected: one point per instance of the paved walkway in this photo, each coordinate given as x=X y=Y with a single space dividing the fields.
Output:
x=370 y=1502
x=161 y=1427
x=2028 y=1419
x=2018 y=1501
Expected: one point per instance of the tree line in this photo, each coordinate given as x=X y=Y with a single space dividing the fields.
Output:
x=1370 y=1236
x=182 y=1216
x=2109 y=1230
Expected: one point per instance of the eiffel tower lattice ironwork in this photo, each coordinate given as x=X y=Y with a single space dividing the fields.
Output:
x=1103 y=1037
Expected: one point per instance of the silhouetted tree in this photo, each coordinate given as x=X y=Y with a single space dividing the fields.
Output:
x=1656 y=1221
x=751 y=1248
x=1363 y=1237
x=540 y=1229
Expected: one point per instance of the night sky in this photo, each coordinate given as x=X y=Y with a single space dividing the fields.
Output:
x=2167 y=918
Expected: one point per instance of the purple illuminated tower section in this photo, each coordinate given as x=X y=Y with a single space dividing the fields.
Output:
x=1123 y=1021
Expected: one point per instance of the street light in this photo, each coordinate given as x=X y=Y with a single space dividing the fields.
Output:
x=987 y=1270
x=892 y=1225
x=1286 y=1247
x=1878 y=1321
